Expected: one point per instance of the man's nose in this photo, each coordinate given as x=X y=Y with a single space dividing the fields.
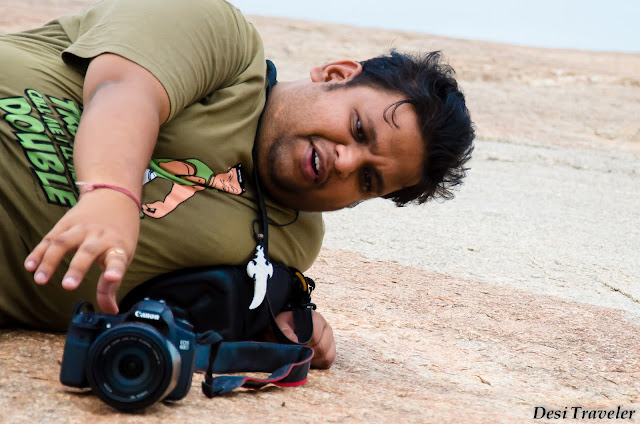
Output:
x=348 y=159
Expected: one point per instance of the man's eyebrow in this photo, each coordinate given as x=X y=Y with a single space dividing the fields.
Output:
x=393 y=107
x=373 y=140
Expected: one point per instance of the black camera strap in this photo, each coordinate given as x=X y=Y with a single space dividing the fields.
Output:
x=302 y=309
x=288 y=361
x=288 y=364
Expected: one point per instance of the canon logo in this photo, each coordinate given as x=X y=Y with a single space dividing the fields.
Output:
x=146 y=315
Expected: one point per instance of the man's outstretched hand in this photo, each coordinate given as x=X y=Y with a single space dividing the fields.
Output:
x=322 y=342
x=102 y=228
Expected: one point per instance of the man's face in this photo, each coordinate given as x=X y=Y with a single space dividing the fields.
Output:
x=322 y=149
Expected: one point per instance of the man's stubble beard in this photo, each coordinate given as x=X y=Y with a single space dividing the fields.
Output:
x=277 y=154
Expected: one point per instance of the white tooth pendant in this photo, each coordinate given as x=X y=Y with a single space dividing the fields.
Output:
x=260 y=270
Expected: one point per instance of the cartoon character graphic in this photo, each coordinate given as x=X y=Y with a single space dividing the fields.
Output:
x=189 y=176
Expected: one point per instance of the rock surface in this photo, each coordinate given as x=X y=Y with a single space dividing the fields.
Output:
x=520 y=293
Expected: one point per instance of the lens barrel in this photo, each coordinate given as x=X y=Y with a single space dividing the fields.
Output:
x=132 y=366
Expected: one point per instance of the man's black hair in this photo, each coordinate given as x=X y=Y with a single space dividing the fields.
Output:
x=445 y=124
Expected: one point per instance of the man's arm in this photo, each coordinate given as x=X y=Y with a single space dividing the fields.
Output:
x=124 y=106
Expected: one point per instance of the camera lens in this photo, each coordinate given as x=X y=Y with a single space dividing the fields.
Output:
x=132 y=366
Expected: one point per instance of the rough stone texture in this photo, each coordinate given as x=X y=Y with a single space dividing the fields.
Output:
x=522 y=292
x=414 y=346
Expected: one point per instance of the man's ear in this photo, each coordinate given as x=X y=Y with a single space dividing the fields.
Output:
x=341 y=70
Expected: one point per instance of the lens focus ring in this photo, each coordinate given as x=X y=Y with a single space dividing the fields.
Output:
x=132 y=366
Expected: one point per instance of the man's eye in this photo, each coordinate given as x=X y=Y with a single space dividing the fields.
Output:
x=367 y=183
x=359 y=131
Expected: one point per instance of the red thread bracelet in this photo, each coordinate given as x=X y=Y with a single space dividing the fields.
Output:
x=85 y=187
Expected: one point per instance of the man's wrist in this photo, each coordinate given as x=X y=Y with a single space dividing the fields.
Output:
x=87 y=187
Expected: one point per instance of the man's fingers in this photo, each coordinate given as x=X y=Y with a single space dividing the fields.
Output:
x=324 y=350
x=286 y=325
x=84 y=257
x=48 y=254
x=290 y=333
x=106 y=294
x=35 y=257
x=322 y=343
x=115 y=265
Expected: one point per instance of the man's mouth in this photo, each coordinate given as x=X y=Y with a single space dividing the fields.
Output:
x=315 y=162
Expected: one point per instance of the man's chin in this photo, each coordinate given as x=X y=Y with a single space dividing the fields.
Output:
x=282 y=197
x=302 y=198
x=296 y=202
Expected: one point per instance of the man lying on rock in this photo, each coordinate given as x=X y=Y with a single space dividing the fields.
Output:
x=173 y=99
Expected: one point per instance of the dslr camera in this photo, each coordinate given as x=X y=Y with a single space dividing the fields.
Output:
x=130 y=360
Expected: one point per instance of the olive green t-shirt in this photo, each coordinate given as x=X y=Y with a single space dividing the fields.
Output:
x=211 y=62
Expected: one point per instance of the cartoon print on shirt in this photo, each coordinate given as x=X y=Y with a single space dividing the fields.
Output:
x=188 y=176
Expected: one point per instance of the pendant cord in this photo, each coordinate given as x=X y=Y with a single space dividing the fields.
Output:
x=262 y=236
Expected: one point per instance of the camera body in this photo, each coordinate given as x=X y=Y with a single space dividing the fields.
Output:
x=130 y=360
